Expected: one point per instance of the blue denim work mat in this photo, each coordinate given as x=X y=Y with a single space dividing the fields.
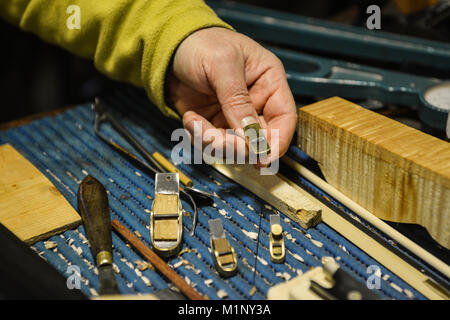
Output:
x=66 y=149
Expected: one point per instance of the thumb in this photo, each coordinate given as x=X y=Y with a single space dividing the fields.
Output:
x=228 y=81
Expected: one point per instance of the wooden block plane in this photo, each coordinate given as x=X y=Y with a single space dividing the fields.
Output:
x=396 y=172
x=30 y=205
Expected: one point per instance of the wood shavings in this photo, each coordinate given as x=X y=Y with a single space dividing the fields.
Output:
x=222 y=294
x=223 y=212
x=408 y=293
x=217 y=182
x=239 y=213
x=268 y=207
x=178 y=264
x=188 y=281
x=93 y=292
x=396 y=287
x=317 y=243
x=338 y=258
x=149 y=196
x=308 y=252
x=250 y=234
x=264 y=262
x=111 y=180
x=186 y=213
x=250 y=207
x=116 y=268
x=78 y=250
x=138 y=174
x=299 y=272
x=50 y=245
x=286 y=276
x=85 y=172
x=252 y=291
x=214 y=205
x=308 y=236
x=144 y=265
x=208 y=282
x=138 y=272
x=147 y=211
x=146 y=281
x=385 y=277
x=287 y=220
x=299 y=258
x=137 y=234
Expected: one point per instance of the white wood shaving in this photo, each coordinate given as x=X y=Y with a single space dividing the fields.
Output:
x=239 y=213
x=299 y=258
x=116 y=268
x=317 y=243
x=299 y=272
x=138 y=272
x=385 y=277
x=268 y=207
x=287 y=220
x=146 y=281
x=408 y=293
x=138 y=174
x=308 y=236
x=95 y=271
x=396 y=287
x=250 y=234
x=338 y=258
x=208 y=282
x=178 y=264
x=264 y=262
x=250 y=207
x=288 y=236
x=93 y=292
x=214 y=205
x=217 y=182
x=130 y=285
x=85 y=172
x=286 y=276
x=50 y=245
x=309 y=252
x=222 y=294
x=78 y=250
x=188 y=281
x=111 y=180
x=147 y=211
x=223 y=212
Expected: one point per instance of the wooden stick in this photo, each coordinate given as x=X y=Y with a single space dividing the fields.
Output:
x=159 y=264
x=369 y=217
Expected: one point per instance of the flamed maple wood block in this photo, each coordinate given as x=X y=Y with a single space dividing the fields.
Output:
x=30 y=205
x=394 y=171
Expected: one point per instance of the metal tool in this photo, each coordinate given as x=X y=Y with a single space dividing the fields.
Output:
x=166 y=217
x=257 y=142
x=315 y=76
x=276 y=242
x=153 y=164
x=301 y=32
x=222 y=252
x=94 y=210
x=326 y=282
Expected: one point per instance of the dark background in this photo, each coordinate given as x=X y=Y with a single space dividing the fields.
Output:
x=36 y=77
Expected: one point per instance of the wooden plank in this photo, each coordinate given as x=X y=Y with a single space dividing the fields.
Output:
x=30 y=205
x=396 y=172
x=267 y=188
x=275 y=191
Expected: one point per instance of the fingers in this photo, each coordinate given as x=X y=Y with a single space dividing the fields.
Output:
x=227 y=78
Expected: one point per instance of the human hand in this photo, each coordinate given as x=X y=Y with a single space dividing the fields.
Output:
x=220 y=77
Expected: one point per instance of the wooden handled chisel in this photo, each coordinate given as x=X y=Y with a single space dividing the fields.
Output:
x=94 y=209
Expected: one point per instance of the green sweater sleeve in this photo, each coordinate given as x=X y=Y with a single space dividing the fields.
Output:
x=129 y=40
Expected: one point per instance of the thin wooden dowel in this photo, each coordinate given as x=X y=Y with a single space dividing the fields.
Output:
x=369 y=217
x=159 y=264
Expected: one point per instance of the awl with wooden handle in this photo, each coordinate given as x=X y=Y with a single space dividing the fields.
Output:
x=94 y=209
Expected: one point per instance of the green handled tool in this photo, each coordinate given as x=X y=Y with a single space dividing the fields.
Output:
x=94 y=209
